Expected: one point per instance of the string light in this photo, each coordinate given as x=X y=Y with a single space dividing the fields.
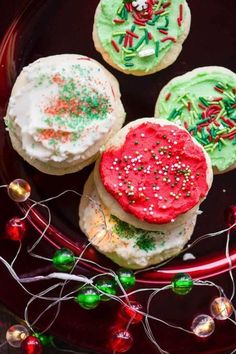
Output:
x=203 y=326
x=16 y=335
x=103 y=288
x=19 y=190
x=221 y=308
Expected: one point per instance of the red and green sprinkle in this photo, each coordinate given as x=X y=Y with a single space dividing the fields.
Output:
x=212 y=121
x=129 y=41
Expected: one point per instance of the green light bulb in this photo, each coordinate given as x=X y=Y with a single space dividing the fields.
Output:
x=107 y=286
x=88 y=298
x=126 y=277
x=64 y=260
x=182 y=284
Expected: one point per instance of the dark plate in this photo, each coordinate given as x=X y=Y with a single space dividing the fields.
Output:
x=56 y=26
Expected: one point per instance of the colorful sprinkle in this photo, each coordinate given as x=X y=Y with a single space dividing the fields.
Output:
x=115 y=46
x=168 y=39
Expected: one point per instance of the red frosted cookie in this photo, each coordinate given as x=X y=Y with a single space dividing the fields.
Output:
x=153 y=172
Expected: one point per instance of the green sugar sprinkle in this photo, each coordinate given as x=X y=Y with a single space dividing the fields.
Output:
x=140 y=42
x=133 y=28
x=204 y=101
x=144 y=240
x=127 y=58
x=121 y=39
x=129 y=65
x=154 y=20
x=76 y=106
x=220 y=145
x=157 y=48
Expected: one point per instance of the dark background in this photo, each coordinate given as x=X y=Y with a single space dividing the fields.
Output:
x=216 y=28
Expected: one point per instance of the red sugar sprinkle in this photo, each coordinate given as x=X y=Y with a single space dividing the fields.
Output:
x=189 y=106
x=139 y=23
x=126 y=40
x=168 y=96
x=115 y=46
x=116 y=20
x=218 y=89
x=138 y=18
x=57 y=79
x=132 y=34
x=149 y=36
x=218 y=99
x=217 y=123
x=227 y=121
x=232 y=134
x=150 y=12
x=167 y=4
x=168 y=39
x=129 y=7
x=201 y=106
x=202 y=125
x=186 y=125
x=180 y=18
x=159 y=12
x=163 y=31
x=234 y=105
x=234 y=90
x=181 y=12
x=130 y=41
x=214 y=109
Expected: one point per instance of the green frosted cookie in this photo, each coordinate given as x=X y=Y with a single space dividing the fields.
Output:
x=204 y=102
x=143 y=36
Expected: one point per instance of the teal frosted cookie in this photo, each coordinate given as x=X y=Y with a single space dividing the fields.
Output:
x=204 y=102
x=141 y=37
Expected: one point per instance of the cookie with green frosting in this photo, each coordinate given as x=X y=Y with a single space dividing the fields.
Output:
x=204 y=102
x=141 y=37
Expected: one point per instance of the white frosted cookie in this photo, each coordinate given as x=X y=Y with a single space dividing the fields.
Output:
x=141 y=37
x=61 y=110
x=152 y=172
x=126 y=245
x=204 y=102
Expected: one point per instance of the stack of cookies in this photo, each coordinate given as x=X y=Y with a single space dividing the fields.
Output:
x=145 y=192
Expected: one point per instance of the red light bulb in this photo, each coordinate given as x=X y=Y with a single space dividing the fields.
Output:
x=121 y=341
x=130 y=312
x=15 y=229
x=31 y=345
